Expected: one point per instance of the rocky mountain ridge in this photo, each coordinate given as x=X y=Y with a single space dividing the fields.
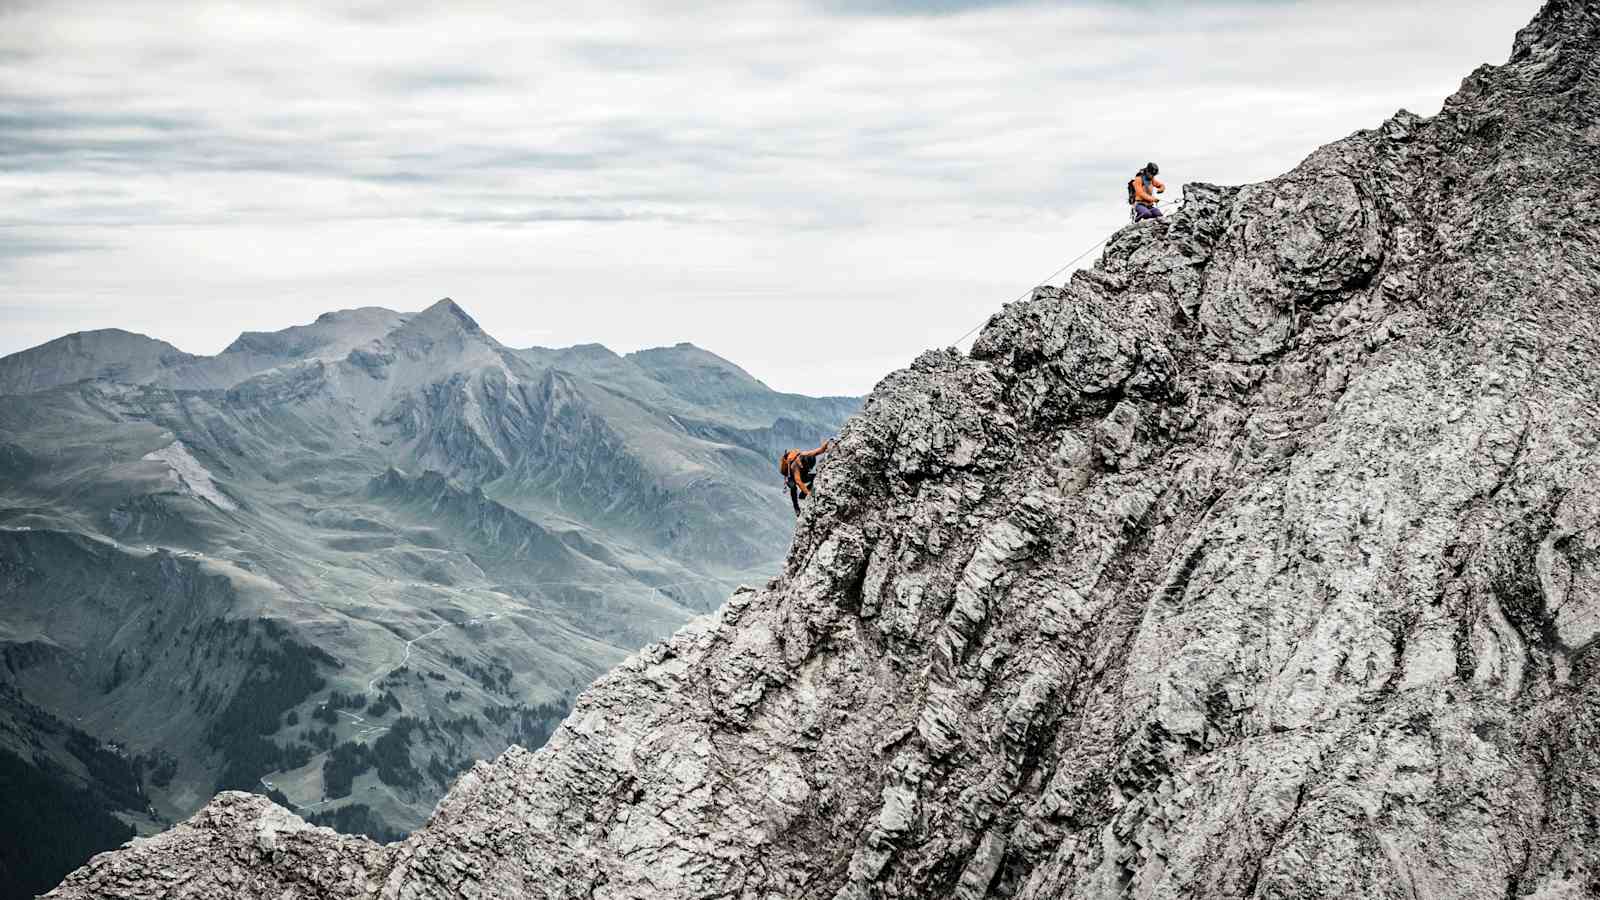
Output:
x=337 y=563
x=111 y=353
x=1262 y=560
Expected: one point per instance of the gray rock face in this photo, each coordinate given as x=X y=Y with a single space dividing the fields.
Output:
x=1261 y=561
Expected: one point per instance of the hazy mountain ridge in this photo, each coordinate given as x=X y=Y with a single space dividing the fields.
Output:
x=399 y=492
x=1262 y=560
x=110 y=353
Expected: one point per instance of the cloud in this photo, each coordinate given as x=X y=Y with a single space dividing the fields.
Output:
x=190 y=152
x=410 y=81
x=921 y=8
x=14 y=245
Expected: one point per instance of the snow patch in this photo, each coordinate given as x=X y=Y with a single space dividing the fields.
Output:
x=191 y=475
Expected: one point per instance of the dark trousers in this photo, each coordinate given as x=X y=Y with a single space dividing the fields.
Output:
x=1143 y=211
x=803 y=471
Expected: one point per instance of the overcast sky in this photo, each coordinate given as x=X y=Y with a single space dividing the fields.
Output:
x=817 y=191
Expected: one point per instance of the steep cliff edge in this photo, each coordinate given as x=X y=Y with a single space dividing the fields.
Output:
x=1261 y=561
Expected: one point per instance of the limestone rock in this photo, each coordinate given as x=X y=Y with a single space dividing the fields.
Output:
x=1260 y=561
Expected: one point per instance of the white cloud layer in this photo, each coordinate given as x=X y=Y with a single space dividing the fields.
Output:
x=816 y=191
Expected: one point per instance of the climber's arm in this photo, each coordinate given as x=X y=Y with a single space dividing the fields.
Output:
x=819 y=451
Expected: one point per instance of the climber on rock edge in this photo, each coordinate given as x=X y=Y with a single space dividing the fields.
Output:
x=1141 y=196
x=796 y=467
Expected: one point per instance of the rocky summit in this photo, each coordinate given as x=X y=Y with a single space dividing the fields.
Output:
x=1262 y=560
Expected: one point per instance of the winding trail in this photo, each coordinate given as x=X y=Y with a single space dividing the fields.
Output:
x=372 y=685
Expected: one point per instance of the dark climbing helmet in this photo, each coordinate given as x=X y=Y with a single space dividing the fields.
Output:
x=1152 y=168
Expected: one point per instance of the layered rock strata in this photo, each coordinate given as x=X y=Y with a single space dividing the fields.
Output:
x=1263 y=560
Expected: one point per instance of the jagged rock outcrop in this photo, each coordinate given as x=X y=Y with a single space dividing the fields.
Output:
x=1261 y=561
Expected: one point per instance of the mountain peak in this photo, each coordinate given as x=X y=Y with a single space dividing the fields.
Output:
x=1286 y=512
x=591 y=350
x=106 y=353
x=685 y=361
x=1561 y=25
x=447 y=310
x=83 y=341
x=442 y=325
x=332 y=335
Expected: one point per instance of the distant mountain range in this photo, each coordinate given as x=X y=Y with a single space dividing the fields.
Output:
x=338 y=562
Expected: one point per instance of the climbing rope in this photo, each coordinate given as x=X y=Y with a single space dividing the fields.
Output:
x=1053 y=275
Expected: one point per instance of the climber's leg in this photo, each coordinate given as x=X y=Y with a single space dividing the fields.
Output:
x=1142 y=211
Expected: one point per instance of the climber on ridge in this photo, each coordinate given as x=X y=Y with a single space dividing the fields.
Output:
x=1141 y=196
x=795 y=467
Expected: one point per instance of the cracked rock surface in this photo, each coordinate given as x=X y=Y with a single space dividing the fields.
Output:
x=1263 y=560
